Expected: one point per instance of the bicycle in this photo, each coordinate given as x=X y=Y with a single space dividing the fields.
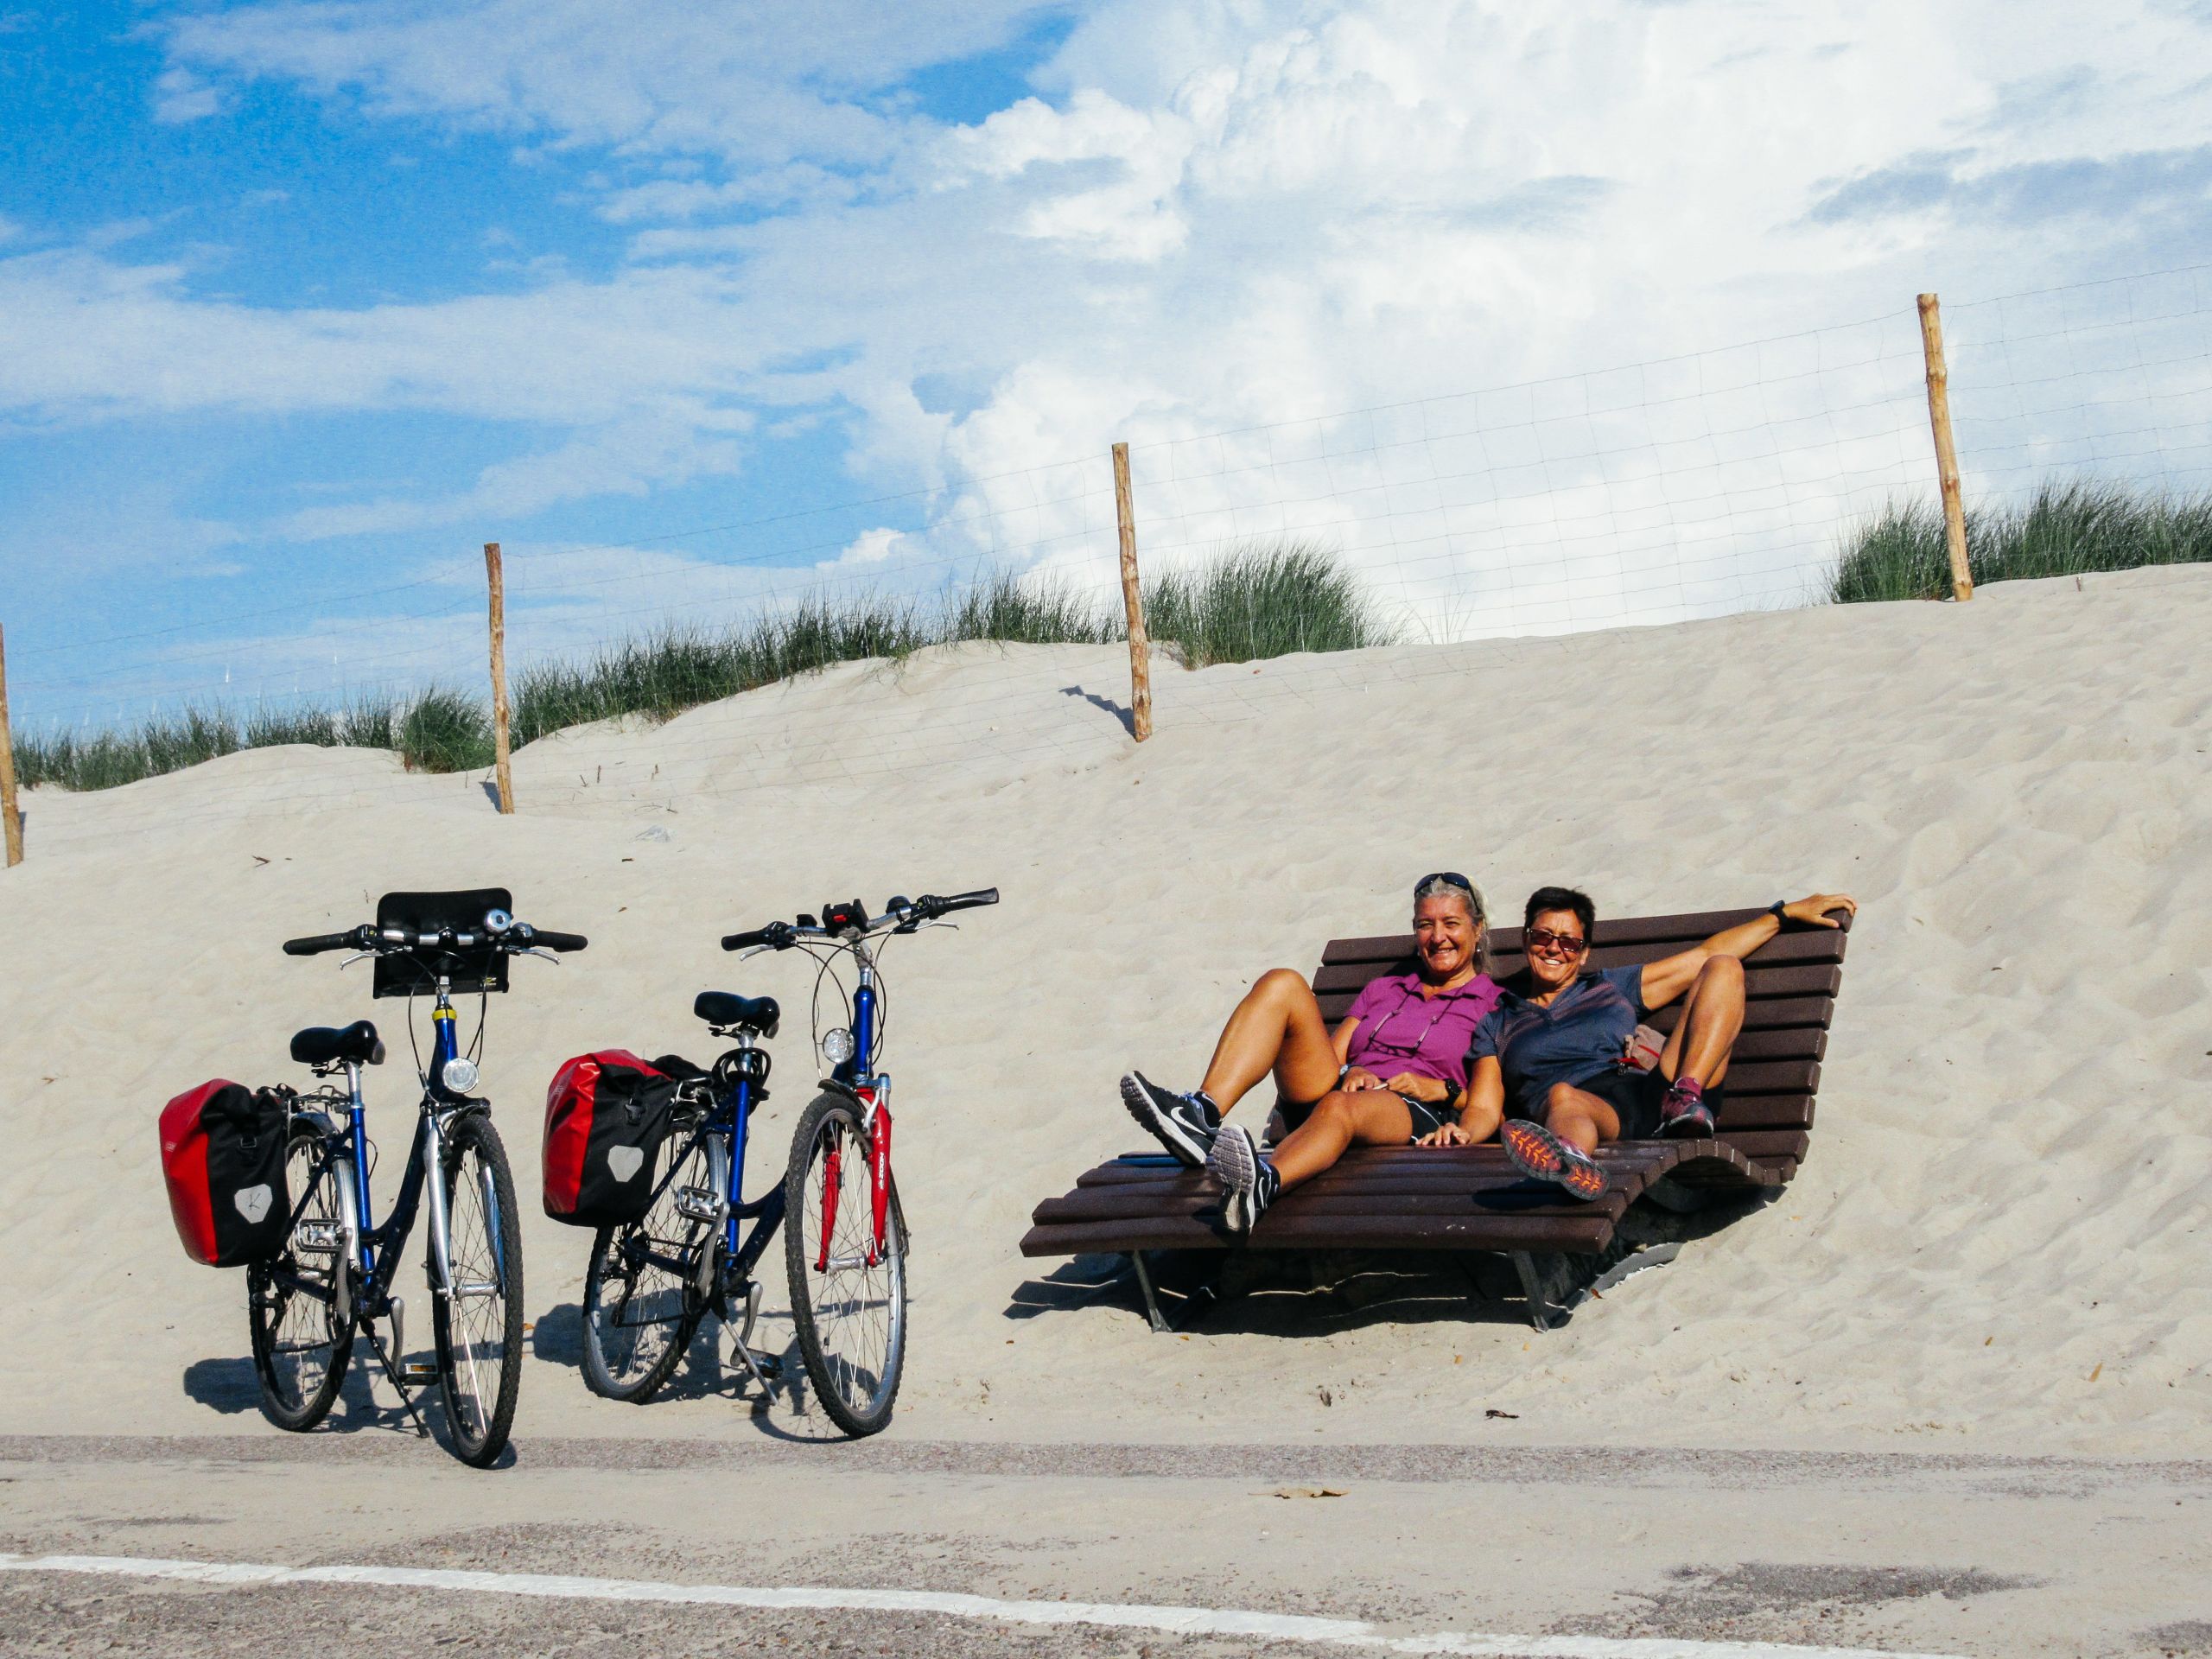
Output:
x=651 y=1281
x=332 y=1279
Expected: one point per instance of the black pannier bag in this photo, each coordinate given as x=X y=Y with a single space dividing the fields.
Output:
x=605 y=1116
x=223 y=1157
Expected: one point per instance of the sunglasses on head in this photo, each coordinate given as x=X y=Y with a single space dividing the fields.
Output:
x=1543 y=938
x=1450 y=878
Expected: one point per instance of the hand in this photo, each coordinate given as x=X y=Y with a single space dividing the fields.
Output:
x=1450 y=1136
x=1358 y=1078
x=1815 y=910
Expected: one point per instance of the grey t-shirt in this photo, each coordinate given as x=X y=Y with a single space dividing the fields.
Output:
x=1579 y=1035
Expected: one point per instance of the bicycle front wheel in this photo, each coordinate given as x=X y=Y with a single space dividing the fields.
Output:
x=849 y=1298
x=478 y=1321
x=642 y=1301
x=300 y=1347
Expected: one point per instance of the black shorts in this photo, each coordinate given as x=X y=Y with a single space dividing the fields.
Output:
x=1427 y=1120
x=1635 y=1096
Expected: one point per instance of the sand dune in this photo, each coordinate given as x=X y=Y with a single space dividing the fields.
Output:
x=1999 y=1241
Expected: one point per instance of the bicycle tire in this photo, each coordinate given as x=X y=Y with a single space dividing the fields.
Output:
x=856 y=1367
x=623 y=1258
x=484 y=1251
x=295 y=1396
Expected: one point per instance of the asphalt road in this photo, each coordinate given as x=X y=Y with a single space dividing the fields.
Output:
x=1610 y=1553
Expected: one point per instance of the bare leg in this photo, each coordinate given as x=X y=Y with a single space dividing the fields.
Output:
x=1712 y=1018
x=1581 y=1120
x=1368 y=1117
x=1277 y=1028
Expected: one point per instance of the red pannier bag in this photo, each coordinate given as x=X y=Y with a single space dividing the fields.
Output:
x=605 y=1116
x=222 y=1156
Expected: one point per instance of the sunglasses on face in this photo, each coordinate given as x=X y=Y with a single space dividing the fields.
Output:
x=1543 y=938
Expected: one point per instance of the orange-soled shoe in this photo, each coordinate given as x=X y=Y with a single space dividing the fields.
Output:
x=1536 y=1152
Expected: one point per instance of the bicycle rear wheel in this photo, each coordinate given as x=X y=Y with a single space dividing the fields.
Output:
x=848 y=1302
x=300 y=1347
x=642 y=1302
x=479 y=1322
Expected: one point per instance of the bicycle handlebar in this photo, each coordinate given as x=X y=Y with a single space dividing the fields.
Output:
x=546 y=939
x=900 y=914
x=316 y=944
x=520 y=937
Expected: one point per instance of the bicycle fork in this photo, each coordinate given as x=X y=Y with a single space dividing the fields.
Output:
x=875 y=1098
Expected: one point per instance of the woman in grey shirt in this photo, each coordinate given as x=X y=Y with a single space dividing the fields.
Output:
x=1549 y=1071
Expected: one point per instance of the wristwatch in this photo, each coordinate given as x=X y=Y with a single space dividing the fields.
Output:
x=1779 y=910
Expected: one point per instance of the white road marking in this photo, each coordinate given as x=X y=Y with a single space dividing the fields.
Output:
x=1173 y=1621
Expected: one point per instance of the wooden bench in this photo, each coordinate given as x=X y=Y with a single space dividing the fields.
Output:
x=1470 y=1198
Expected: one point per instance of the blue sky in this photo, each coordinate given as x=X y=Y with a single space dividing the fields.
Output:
x=301 y=303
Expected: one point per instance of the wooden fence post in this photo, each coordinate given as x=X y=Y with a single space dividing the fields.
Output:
x=8 y=812
x=1946 y=457
x=1132 y=601
x=499 y=675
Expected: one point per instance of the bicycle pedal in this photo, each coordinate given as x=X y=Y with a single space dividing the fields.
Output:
x=770 y=1367
x=417 y=1373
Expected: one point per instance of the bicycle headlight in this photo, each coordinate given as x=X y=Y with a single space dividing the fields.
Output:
x=836 y=1044
x=459 y=1075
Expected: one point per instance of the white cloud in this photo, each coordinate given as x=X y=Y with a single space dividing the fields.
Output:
x=760 y=81
x=1215 y=215
x=180 y=96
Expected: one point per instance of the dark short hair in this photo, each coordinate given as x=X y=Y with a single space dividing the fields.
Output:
x=1544 y=898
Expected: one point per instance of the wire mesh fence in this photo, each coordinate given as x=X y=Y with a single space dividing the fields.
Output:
x=1742 y=478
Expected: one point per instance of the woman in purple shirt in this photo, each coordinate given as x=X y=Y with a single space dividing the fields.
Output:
x=1384 y=1077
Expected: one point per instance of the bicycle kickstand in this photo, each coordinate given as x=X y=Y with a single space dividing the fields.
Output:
x=763 y=1366
x=390 y=1372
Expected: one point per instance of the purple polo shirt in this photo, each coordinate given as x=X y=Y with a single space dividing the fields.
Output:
x=1400 y=1031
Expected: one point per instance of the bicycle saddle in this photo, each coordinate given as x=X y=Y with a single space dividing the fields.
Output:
x=356 y=1044
x=757 y=1014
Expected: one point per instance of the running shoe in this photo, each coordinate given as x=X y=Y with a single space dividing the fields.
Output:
x=1536 y=1152
x=1249 y=1181
x=1683 y=1113
x=1185 y=1124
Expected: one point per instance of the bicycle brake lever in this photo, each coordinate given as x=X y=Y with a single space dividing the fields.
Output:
x=748 y=955
x=359 y=956
x=546 y=955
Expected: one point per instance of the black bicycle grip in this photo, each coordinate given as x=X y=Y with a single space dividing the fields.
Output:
x=750 y=937
x=968 y=901
x=316 y=944
x=544 y=938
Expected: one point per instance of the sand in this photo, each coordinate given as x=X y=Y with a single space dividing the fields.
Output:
x=1999 y=1243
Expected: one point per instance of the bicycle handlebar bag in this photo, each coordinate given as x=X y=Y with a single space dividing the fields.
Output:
x=223 y=1157
x=606 y=1114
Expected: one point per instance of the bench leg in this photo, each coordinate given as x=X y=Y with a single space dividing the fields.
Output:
x=1151 y=1300
x=1544 y=1313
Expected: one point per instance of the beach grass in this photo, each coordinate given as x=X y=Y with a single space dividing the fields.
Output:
x=441 y=730
x=1262 y=599
x=1251 y=600
x=2064 y=530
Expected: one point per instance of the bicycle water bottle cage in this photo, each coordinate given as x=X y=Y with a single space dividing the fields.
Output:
x=748 y=1064
x=849 y=917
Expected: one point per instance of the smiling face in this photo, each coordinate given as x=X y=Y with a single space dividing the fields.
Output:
x=1446 y=934
x=1556 y=949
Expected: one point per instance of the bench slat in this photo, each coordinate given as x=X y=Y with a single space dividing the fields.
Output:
x=1804 y=945
x=1764 y=1014
x=1761 y=982
x=1138 y=1203
x=1474 y=1231
x=1766 y=1112
x=1768 y=1145
x=1459 y=1165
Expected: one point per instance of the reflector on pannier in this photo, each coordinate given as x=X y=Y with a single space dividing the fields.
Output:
x=222 y=1156
x=605 y=1116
